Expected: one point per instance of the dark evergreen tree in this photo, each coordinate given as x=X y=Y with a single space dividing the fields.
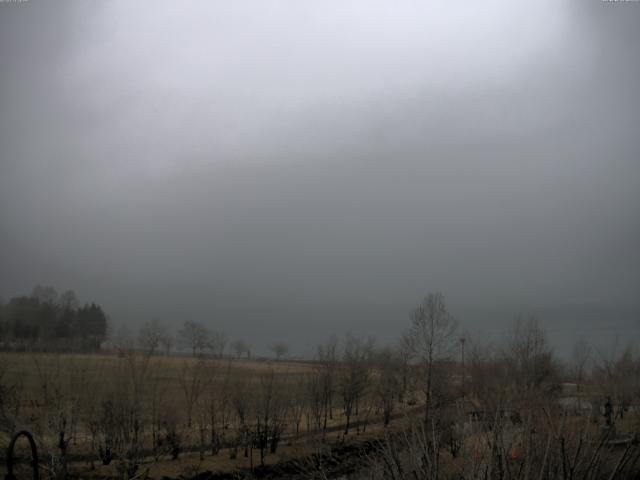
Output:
x=47 y=321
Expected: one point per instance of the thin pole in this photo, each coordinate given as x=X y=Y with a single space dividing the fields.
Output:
x=462 y=340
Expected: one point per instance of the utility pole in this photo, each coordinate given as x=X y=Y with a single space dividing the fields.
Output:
x=462 y=340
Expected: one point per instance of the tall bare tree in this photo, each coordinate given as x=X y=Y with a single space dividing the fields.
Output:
x=327 y=365
x=528 y=354
x=354 y=375
x=387 y=382
x=431 y=339
x=270 y=411
x=580 y=356
x=192 y=383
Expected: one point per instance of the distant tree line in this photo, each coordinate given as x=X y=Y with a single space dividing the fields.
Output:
x=155 y=338
x=195 y=338
x=51 y=321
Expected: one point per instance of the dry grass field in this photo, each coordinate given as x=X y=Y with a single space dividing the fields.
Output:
x=30 y=369
x=138 y=415
x=176 y=415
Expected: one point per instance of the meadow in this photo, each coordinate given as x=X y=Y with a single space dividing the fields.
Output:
x=101 y=414
x=355 y=409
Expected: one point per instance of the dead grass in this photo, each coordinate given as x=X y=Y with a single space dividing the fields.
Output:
x=86 y=376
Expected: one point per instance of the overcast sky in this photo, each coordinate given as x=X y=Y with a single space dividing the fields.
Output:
x=289 y=169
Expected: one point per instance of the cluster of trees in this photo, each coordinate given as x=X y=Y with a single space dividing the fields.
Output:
x=452 y=404
x=514 y=411
x=191 y=337
x=140 y=405
x=46 y=320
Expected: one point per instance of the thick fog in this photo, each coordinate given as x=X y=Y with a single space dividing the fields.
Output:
x=287 y=170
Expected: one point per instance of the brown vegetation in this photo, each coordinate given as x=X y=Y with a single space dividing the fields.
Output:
x=411 y=411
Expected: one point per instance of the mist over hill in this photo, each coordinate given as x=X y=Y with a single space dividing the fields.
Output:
x=284 y=172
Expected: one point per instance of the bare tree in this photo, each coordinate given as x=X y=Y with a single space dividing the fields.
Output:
x=280 y=350
x=123 y=340
x=151 y=336
x=194 y=336
x=271 y=406
x=11 y=400
x=217 y=403
x=549 y=445
x=240 y=347
x=167 y=342
x=327 y=365
x=315 y=393
x=354 y=375
x=68 y=300
x=618 y=376
x=157 y=410
x=45 y=294
x=63 y=388
x=388 y=382
x=217 y=344
x=299 y=403
x=192 y=383
x=403 y=355
x=431 y=339
x=487 y=374
x=580 y=356
x=529 y=357
x=240 y=399
x=120 y=419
